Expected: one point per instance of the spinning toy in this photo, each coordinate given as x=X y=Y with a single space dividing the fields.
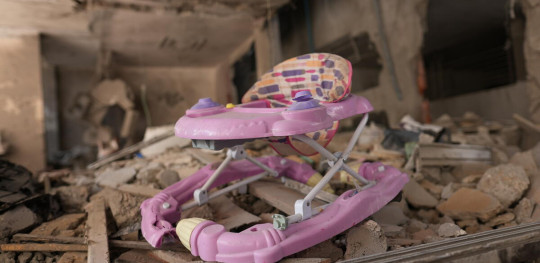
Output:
x=296 y=107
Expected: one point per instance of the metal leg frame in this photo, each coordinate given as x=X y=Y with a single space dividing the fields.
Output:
x=302 y=208
x=201 y=196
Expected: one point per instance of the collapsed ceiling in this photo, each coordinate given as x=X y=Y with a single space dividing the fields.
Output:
x=157 y=33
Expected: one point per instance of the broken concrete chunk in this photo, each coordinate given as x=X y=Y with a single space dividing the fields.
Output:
x=73 y=257
x=124 y=207
x=450 y=230
x=524 y=210
x=425 y=235
x=447 y=191
x=391 y=214
x=417 y=196
x=434 y=189
x=469 y=203
x=167 y=178
x=72 y=198
x=16 y=219
x=525 y=160
x=56 y=226
x=24 y=257
x=430 y=215
x=500 y=219
x=506 y=182
x=148 y=174
x=415 y=226
x=366 y=239
x=116 y=178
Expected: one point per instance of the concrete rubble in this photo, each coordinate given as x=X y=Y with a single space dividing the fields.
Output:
x=441 y=201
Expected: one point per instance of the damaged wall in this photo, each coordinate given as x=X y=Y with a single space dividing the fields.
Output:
x=531 y=9
x=21 y=99
x=404 y=25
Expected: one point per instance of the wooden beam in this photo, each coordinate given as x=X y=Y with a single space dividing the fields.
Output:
x=51 y=247
x=278 y=195
x=98 y=246
x=142 y=245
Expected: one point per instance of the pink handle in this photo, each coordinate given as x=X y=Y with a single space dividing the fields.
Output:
x=156 y=217
x=263 y=243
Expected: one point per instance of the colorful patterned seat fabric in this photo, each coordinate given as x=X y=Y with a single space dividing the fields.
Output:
x=326 y=76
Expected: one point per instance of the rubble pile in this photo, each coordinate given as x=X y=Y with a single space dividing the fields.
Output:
x=466 y=176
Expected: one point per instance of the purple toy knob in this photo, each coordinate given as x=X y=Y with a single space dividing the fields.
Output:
x=303 y=100
x=205 y=103
x=303 y=96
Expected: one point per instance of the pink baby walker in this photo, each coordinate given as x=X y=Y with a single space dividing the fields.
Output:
x=296 y=107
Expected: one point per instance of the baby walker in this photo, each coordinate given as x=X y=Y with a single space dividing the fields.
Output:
x=296 y=107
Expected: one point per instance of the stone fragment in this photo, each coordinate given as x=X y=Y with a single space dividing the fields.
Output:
x=73 y=257
x=24 y=257
x=425 y=235
x=149 y=173
x=434 y=189
x=415 y=226
x=469 y=203
x=467 y=223
x=392 y=230
x=534 y=195
x=72 y=198
x=366 y=239
x=446 y=219
x=124 y=207
x=325 y=249
x=525 y=160
x=417 y=196
x=501 y=219
x=430 y=216
x=447 y=191
x=116 y=178
x=506 y=182
x=7 y=257
x=471 y=179
x=391 y=214
x=56 y=226
x=167 y=178
x=15 y=220
x=524 y=210
x=450 y=230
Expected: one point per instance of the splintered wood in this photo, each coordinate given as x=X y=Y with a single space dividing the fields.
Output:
x=278 y=195
x=230 y=215
x=98 y=247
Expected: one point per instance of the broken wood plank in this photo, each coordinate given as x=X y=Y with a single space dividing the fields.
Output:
x=98 y=247
x=279 y=196
x=48 y=239
x=440 y=154
x=305 y=189
x=229 y=214
x=51 y=247
x=142 y=245
x=128 y=150
x=139 y=190
x=203 y=157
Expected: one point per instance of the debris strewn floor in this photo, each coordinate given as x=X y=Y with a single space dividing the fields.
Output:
x=485 y=182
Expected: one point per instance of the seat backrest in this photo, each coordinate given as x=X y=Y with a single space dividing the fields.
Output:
x=326 y=76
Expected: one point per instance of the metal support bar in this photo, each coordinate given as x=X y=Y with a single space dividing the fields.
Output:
x=226 y=189
x=218 y=171
x=263 y=166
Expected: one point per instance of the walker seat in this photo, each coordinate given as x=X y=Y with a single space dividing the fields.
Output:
x=296 y=107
